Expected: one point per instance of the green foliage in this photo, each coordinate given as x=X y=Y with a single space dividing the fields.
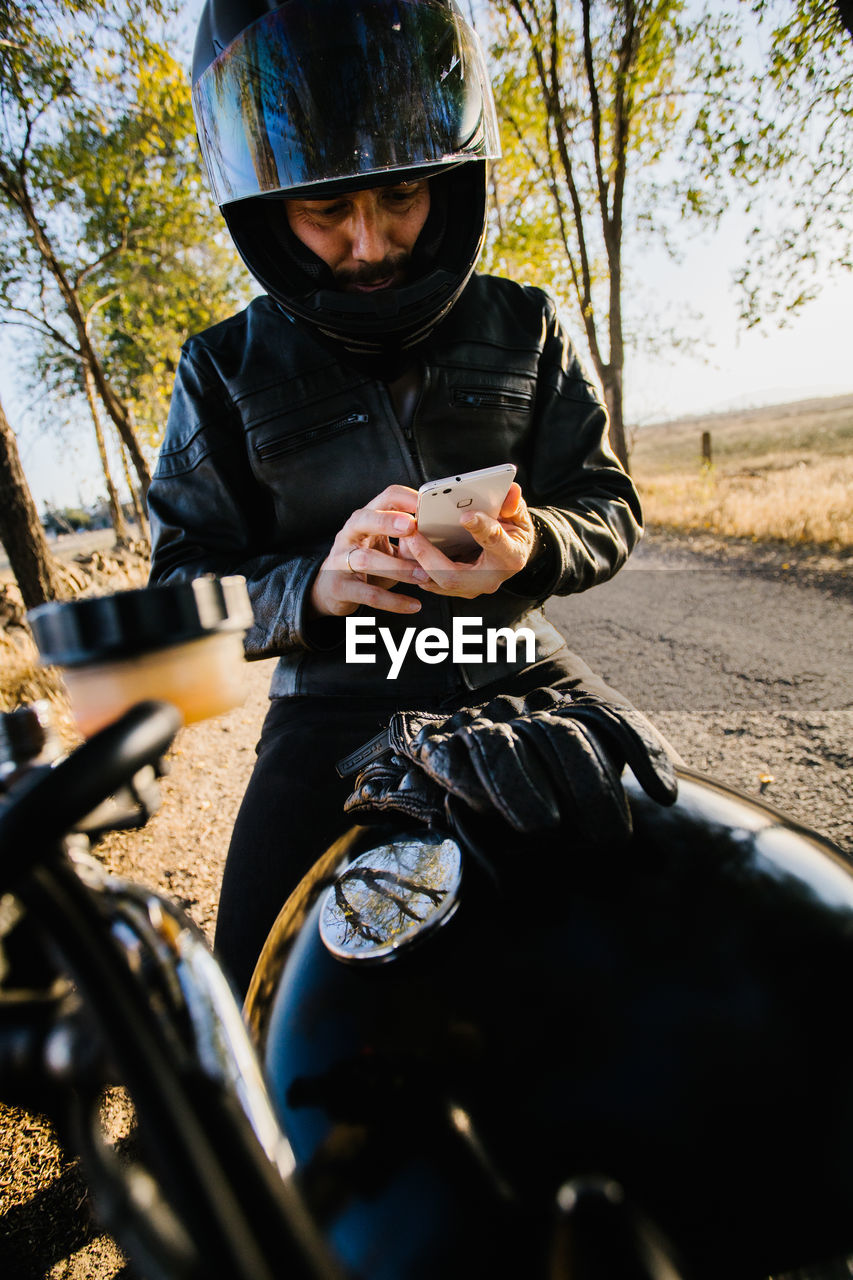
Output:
x=796 y=162
x=67 y=520
x=159 y=264
x=107 y=212
x=595 y=100
x=594 y=108
x=621 y=119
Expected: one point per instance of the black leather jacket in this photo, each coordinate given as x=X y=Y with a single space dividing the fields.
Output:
x=272 y=443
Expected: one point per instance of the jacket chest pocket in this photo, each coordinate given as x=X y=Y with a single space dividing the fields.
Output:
x=279 y=445
x=318 y=469
x=491 y=399
x=476 y=423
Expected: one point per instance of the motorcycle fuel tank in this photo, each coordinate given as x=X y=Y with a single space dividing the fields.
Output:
x=669 y=1017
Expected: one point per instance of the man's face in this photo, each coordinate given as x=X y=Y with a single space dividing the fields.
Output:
x=365 y=237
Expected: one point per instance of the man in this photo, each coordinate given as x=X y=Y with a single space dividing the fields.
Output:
x=346 y=143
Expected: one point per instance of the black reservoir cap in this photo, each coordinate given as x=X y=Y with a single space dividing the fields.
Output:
x=76 y=633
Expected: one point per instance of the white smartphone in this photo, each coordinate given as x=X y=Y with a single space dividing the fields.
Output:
x=442 y=502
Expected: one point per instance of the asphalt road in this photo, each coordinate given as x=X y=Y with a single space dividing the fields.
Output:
x=68 y=545
x=746 y=668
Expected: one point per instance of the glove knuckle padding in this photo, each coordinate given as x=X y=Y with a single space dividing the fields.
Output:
x=538 y=761
x=592 y=799
x=512 y=774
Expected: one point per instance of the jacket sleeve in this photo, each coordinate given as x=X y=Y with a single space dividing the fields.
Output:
x=585 y=507
x=209 y=515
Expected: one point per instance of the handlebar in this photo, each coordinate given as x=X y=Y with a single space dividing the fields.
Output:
x=51 y=802
x=222 y=1200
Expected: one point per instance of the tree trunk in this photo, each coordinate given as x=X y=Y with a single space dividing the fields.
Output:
x=139 y=510
x=116 y=511
x=611 y=383
x=117 y=412
x=35 y=568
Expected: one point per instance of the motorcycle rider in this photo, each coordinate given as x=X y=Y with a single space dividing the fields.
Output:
x=346 y=142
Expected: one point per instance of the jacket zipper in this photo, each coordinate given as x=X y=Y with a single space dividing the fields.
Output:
x=286 y=444
x=458 y=675
x=408 y=431
x=482 y=398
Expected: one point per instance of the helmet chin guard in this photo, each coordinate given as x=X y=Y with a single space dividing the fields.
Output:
x=314 y=97
x=443 y=260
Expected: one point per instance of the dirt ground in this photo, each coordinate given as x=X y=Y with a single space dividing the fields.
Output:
x=47 y=1230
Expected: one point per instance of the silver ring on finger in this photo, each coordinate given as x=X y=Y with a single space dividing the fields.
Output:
x=349 y=566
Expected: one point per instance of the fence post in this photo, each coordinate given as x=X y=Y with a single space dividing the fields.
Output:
x=706 y=448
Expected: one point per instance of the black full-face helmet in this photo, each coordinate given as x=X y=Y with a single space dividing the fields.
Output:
x=309 y=98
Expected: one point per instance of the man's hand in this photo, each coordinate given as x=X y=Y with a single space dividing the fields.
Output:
x=364 y=563
x=507 y=544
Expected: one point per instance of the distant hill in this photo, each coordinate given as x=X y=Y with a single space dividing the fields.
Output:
x=823 y=426
x=777 y=472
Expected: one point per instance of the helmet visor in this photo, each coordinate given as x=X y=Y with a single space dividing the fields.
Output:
x=320 y=91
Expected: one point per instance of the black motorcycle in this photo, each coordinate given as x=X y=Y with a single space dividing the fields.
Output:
x=534 y=1015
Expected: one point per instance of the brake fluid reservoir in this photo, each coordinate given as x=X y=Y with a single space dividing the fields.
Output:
x=181 y=642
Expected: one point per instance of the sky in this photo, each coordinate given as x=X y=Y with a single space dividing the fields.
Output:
x=733 y=368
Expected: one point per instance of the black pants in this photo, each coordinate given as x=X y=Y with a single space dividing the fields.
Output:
x=293 y=806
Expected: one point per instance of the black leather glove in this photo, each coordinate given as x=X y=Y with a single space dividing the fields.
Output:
x=392 y=783
x=537 y=761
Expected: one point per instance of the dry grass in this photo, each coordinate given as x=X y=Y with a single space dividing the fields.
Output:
x=21 y=678
x=784 y=473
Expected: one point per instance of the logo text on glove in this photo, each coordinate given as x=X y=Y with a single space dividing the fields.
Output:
x=468 y=641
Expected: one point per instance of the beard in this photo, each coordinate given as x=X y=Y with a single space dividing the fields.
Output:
x=392 y=270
